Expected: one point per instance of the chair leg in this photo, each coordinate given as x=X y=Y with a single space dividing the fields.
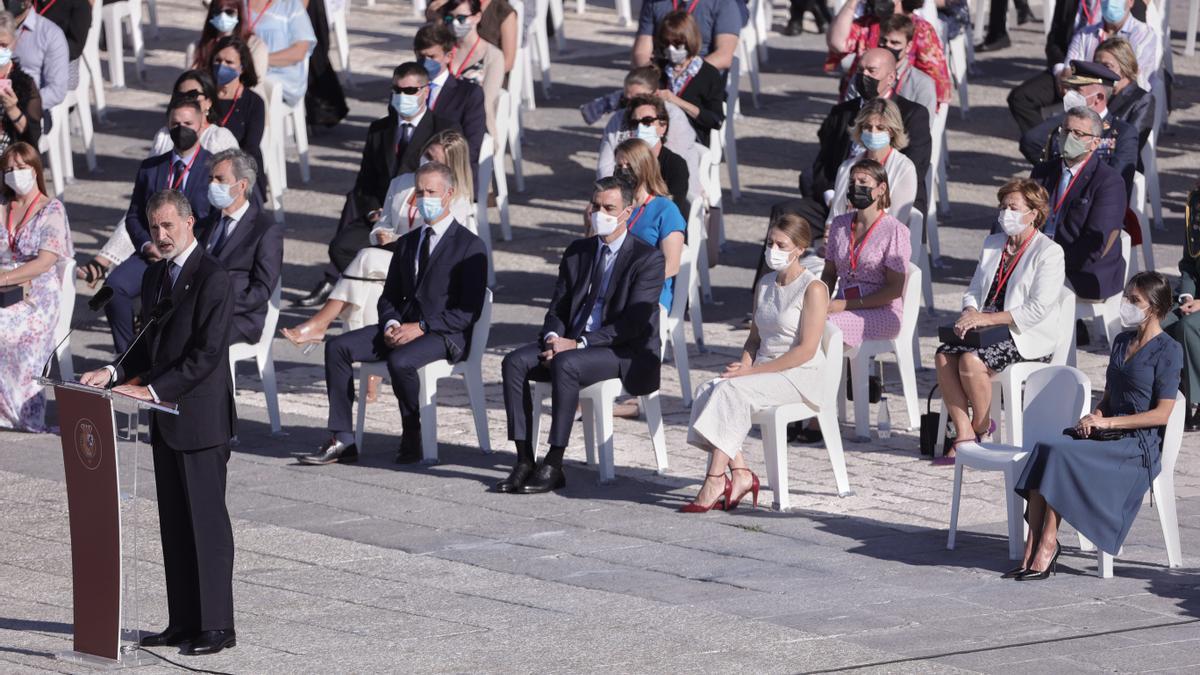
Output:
x=266 y=372
x=475 y=395
x=954 y=500
x=1016 y=513
x=939 y=448
x=84 y=112
x=833 y=445
x=731 y=161
x=680 y=353
x=361 y=396
x=604 y=437
x=539 y=392
x=1085 y=544
x=1006 y=411
x=654 y=422
x=1104 y=564
x=428 y=411
x=774 y=435
x=300 y=128
x=588 y=419
x=908 y=383
x=1168 y=518
x=859 y=368
x=697 y=314
x=115 y=45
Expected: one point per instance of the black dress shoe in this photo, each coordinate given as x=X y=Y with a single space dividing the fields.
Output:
x=1002 y=42
x=516 y=479
x=211 y=642
x=170 y=637
x=409 y=454
x=317 y=297
x=548 y=477
x=333 y=451
x=1193 y=421
x=793 y=27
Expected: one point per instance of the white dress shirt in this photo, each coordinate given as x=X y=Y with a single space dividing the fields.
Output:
x=436 y=86
x=436 y=232
x=596 y=317
x=234 y=219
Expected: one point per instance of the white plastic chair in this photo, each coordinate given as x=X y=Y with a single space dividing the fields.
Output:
x=498 y=169
x=556 y=18
x=1193 y=23
x=920 y=255
x=935 y=179
x=774 y=421
x=1054 y=398
x=114 y=15
x=418 y=8
x=274 y=158
x=1163 y=489
x=337 y=19
x=296 y=123
x=860 y=359
x=1107 y=312
x=675 y=323
x=959 y=60
x=89 y=68
x=520 y=78
x=727 y=134
x=1138 y=206
x=469 y=369
x=697 y=239
x=77 y=101
x=50 y=145
x=507 y=118
x=66 y=310
x=747 y=49
x=624 y=14
x=262 y=353
x=541 y=42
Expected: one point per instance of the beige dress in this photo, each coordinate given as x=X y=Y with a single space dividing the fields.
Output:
x=724 y=408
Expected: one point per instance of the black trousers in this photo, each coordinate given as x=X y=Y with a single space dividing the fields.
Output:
x=366 y=344
x=353 y=235
x=1027 y=100
x=998 y=18
x=567 y=373
x=197 y=539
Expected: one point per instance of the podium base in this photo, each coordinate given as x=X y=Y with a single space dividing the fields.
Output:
x=130 y=656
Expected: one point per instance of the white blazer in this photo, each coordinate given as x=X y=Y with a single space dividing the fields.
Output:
x=1032 y=292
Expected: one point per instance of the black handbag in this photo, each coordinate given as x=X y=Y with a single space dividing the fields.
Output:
x=929 y=426
x=11 y=295
x=976 y=337
x=1096 y=435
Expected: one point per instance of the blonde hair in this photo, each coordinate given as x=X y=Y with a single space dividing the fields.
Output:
x=887 y=111
x=1120 y=49
x=458 y=158
x=644 y=165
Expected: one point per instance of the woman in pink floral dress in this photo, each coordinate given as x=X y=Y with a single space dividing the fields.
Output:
x=36 y=247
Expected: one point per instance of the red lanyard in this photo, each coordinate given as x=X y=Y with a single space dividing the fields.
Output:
x=1004 y=275
x=1088 y=13
x=1063 y=196
x=412 y=209
x=856 y=250
x=12 y=234
x=45 y=9
x=255 y=20
x=176 y=182
x=467 y=59
x=691 y=8
x=233 y=105
x=642 y=209
x=685 y=86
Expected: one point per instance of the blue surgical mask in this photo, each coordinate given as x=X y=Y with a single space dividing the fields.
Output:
x=5 y=56
x=224 y=23
x=648 y=134
x=1113 y=11
x=431 y=208
x=224 y=74
x=406 y=104
x=432 y=67
x=219 y=195
x=876 y=140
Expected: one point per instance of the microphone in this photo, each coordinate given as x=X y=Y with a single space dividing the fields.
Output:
x=97 y=303
x=160 y=310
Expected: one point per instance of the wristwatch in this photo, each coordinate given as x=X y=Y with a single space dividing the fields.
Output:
x=423 y=326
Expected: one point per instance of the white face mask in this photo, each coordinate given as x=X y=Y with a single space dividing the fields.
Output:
x=1132 y=316
x=777 y=258
x=603 y=224
x=676 y=55
x=20 y=181
x=1073 y=99
x=1010 y=222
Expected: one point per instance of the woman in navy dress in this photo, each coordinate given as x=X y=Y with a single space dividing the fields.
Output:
x=1098 y=485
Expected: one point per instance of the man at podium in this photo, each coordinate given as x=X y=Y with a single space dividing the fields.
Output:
x=182 y=356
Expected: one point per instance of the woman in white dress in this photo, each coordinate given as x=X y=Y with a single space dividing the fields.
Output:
x=779 y=365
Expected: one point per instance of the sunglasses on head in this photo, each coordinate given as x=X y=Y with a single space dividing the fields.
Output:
x=408 y=90
x=232 y=13
x=648 y=120
x=461 y=18
x=192 y=95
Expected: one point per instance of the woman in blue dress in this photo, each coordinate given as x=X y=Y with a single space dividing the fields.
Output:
x=1098 y=485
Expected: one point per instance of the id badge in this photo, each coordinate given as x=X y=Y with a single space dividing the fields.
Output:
x=853 y=293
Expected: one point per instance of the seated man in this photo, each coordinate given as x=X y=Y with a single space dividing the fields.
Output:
x=185 y=168
x=459 y=101
x=1047 y=88
x=40 y=47
x=1087 y=208
x=720 y=23
x=1090 y=86
x=602 y=323
x=393 y=147
x=852 y=33
x=896 y=36
x=245 y=239
x=432 y=298
x=680 y=138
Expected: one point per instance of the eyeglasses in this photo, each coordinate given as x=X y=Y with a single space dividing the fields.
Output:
x=648 y=120
x=409 y=90
x=1078 y=133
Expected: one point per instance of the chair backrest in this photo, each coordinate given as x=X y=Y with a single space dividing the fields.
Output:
x=911 y=303
x=1066 y=328
x=272 y=319
x=1173 y=437
x=695 y=222
x=683 y=281
x=503 y=119
x=1055 y=397
x=481 y=330
x=1126 y=248
x=66 y=301
x=831 y=370
x=916 y=235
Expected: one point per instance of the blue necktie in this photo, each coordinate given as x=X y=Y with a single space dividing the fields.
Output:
x=1063 y=183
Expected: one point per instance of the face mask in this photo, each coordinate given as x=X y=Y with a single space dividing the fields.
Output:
x=220 y=195
x=183 y=137
x=896 y=53
x=432 y=67
x=424 y=160
x=868 y=87
x=224 y=23
x=876 y=140
x=1132 y=316
x=406 y=104
x=603 y=224
x=460 y=30
x=649 y=134
x=431 y=208
x=676 y=55
x=860 y=196
x=776 y=258
x=225 y=74
x=20 y=181
x=1113 y=11
x=625 y=175
x=5 y=56
x=882 y=9
x=1074 y=99
x=1072 y=148
x=1010 y=222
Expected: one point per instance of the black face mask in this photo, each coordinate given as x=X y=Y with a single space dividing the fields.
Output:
x=860 y=196
x=896 y=53
x=868 y=87
x=625 y=175
x=183 y=137
x=15 y=7
x=882 y=9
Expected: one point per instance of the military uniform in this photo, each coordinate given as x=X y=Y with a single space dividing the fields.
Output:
x=1186 y=327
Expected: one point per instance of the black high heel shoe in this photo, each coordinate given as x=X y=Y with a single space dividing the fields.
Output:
x=1014 y=573
x=1051 y=569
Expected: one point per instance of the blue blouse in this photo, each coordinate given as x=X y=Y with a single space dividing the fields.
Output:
x=652 y=223
x=284 y=24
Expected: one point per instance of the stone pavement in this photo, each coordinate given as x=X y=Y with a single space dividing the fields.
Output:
x=370 y=568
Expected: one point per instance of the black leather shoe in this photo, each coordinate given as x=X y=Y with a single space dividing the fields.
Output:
x=516 y=479
x=170 y=637
x=409 y=454
x=316 y=297
x=1193 y=421
x=333 y=451
x=793 y=28
x=211 y=642
x=547 y=477
x=1003 y=42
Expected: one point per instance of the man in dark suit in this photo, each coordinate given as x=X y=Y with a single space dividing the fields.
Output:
x=457 y=100
x=1093 y=87
x=602 y=323
x=433 y=296
x=1087 y=208
x=184 y=168
x=394 y=145
x=183 y=357
x=244 y=239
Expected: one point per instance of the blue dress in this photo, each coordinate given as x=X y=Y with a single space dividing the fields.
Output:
x=652 y=222
x=1098 y=486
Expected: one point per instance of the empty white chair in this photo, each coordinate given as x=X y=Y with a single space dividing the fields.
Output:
x=920 y=256
x=1163 y=489
x=469 y=369
x=89 y=65
x=860 y=359
x=506 y=113
x=675 y=323
x=747 y=49
x=959 y=61
x=541 y=43
x=262 y=353
x=1107 y=312
x=727 y=134
x=66 y=310
x=295 y=119
x=774 y=421
x=337 y=19
x=1192 y=25
x=129 y=13
x=1055 y=397
x=556 y=18
x=935 y=179
x=498 y=170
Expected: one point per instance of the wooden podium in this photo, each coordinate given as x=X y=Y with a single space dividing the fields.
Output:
x=101 y=435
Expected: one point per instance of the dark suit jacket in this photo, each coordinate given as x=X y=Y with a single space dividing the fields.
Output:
x=1135 y=106
x=253 y=258
x=706 y=91
x=1092 y=215
x=629 y=324
x=462 y=102
x=185 y=355
x=1062 y=27
x=151 y=178
x=379 y=164
x=450 y=297
x=675 y=174
x=1118 y=145
x=835 y=142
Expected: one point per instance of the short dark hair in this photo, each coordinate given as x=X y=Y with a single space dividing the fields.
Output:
x=178 y=103
x=434 y=34
x=898 y=23
x=660 y=110
x=169 y=197
x=410 y=68
x=613 y=183
x=451 y=5
x=678 y=27
x=1157 y=291
x=438 y=168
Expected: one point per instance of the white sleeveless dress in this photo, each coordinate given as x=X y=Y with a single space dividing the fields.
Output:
x=723 y=410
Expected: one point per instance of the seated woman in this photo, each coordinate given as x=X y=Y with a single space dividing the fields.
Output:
x=474 y=59
x=1017 y=284
x=238 y=109
x=880 y=131
x=689 y=81
x=284 y=26
x=646 y=117
x=779 y=365
x=1129 y=102
x=227 y=18
x=39 y=246
x=497 y=24
x=1183 y=324
x=21 y=121
x=1098 y=485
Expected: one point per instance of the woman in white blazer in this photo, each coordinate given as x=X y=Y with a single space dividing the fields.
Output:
x=1017 y=284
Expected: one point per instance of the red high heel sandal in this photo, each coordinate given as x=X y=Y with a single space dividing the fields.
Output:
x=754 y=485
x=696 y=507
